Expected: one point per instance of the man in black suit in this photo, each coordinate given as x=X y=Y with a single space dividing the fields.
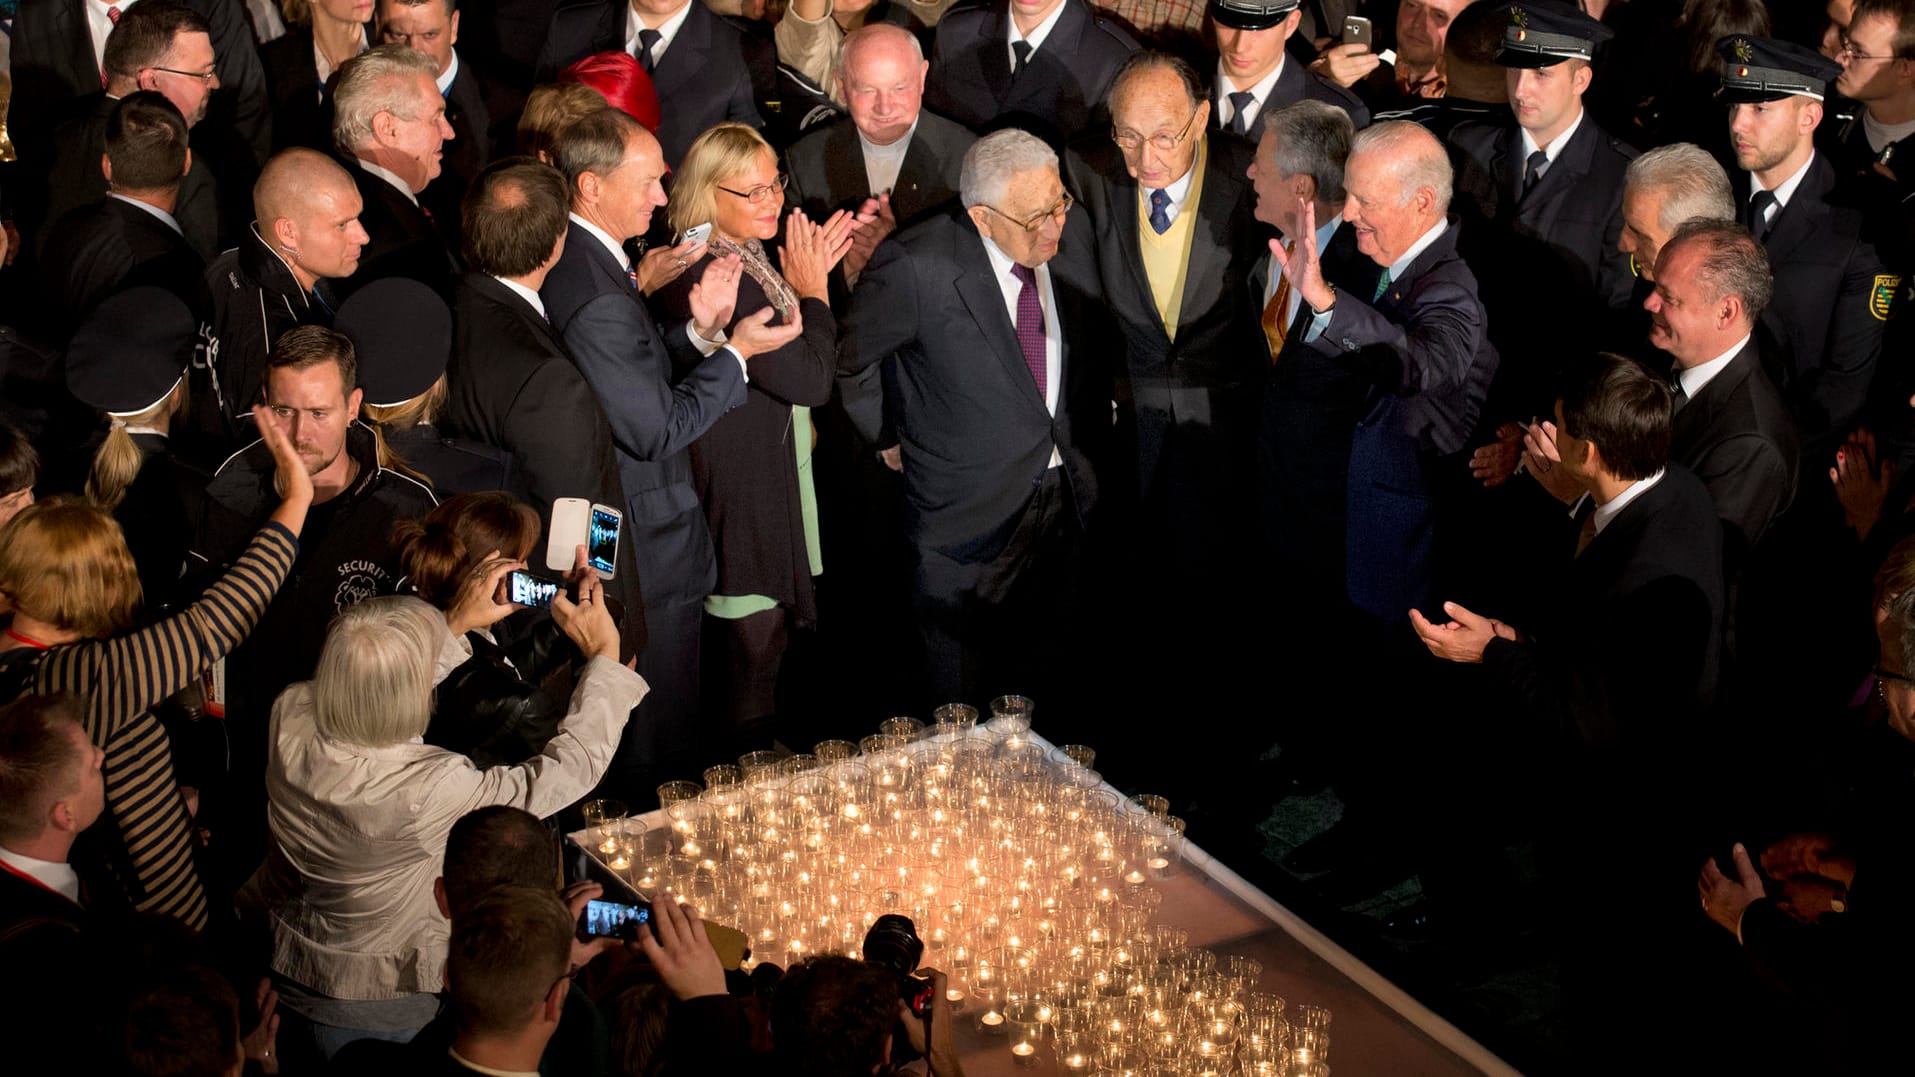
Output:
x=432 y=27
x=990 y=319
x=1832 y=296
x=1608 y=687
x=660 y=392
x=1043 y=65
x=703 y=66
x=1663 y=190
x=1542 y=204
x=130 y=237
x=51 y=790
x=305 y=236
x=393 y=154
x=164 y=47
x=58 y=49
x=1255 y=71
x=511 y=384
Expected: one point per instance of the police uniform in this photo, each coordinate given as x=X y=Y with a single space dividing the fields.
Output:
x=1833 y=296
x=402 y=332
x=1294 y=81
x=1542 y=235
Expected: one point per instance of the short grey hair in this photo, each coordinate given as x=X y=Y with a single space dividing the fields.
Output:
x=1417 y=159
x=370 y=83
x=991 y=161
x=1733 y=264
x=373 y=684
x=1313 y=139
x=1691 y=184
x=872 y=33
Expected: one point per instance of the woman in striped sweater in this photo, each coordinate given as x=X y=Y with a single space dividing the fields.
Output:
x=74 y=593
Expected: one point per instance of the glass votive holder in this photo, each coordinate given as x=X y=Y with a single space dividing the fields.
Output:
x=677 y=793
x=1152 y=804
x=834 y=751
x=599 y=813
x=1079 y=754
x=756 y=766
x=908 y=728
x=1316 y=1018
x=1076 y=1047
x=1163 y=846
x=724 y=774
x=1024 y=1030
x=1012 y=707
x=954 y=720
x=1308 y=1046
x=799 y=763
x=624 y=855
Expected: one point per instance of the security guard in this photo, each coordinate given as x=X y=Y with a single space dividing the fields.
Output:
x=402 y=331
x=1544 y=194
x=1832 y=295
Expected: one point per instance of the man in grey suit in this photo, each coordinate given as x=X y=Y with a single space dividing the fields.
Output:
x=612 y=166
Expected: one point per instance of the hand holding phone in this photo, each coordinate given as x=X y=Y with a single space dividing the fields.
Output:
x=526 y=589
x=577 y=522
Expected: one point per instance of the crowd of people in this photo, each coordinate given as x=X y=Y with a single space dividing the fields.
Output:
x=1486 y=411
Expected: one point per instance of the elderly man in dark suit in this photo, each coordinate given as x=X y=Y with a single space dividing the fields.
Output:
x=660 y=391
x=706 y=68
x=990 y=318
x=432 y=27
x=1042 y=65
x=1255 y=72
x=393 y=153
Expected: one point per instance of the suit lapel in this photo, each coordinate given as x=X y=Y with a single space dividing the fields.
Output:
x=77 y=39
x=995 y=58
x=984 y=298
x=1567 y=169
x=1800 y=219
x=1124 y=194
x=1506 y=164
x=844 y=161
x=686 y=57
x=1210 y=244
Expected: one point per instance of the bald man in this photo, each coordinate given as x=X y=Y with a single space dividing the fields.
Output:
x=305 y=234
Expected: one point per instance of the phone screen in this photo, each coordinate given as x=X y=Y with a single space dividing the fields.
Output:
x=602 y=547
x=528 y=590
x=613 y=920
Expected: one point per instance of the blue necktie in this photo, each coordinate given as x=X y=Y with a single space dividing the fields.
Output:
x=1159 y=220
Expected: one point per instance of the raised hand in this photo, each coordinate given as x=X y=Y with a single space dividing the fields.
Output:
x=715 y=296
x=1303 y=266
x=295 y=483
x=1861 y=482
x=478 y=604
x=876 y=221
x=662 y=265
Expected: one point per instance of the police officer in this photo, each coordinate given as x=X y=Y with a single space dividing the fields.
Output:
x=1256 y=74
x=402 y=331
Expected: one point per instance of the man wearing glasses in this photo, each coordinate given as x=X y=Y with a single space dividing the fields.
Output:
x=989 y=318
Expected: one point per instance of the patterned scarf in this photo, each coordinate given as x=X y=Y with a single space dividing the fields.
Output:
x=752 y=253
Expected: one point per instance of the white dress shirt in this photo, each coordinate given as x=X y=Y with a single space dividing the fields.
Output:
x=58 y=878
x=1001 y=264
x=451 y=72
x=1695 y=377
x=882 y=163
x=526 y=294
x=163 y=216
x=1260 y=91
x=1607 y=512
x=704 y=346
x=1177 y=192
x=1322 y=321
x=667 y=30
x=99 y=26
x=1555 y=148
x=1036 y=37
x=1783 y=191
x=389 y=176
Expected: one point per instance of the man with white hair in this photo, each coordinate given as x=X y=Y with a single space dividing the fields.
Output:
x=1406 y=319
x=389 y=119
x=990 y=319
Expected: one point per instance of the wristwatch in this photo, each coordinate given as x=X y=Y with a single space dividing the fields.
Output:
x=1333 y=302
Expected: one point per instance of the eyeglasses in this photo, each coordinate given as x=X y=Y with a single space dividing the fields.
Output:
x=1849 y=52
x=206 y=76
x=761 y=193
x=1128 y=141
x=1056 y=212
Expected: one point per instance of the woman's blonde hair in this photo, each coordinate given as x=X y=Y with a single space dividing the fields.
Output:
x=65 y=562
x=373 y=685
x=116 y=463
x=719 y=154
x=399 y=418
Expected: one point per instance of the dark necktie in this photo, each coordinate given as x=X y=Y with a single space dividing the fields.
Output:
x=1759 y=204
x=647 y=39
x=1159 y=220
x=1533 y=171
x=1023 y=50
x=1676 y=394
x=1240 y=103
x=1030 y=326
x=632 y=272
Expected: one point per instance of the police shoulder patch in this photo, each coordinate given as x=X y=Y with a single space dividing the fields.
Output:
x=1881 y=297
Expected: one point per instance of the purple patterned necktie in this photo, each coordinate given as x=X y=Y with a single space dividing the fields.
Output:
x=1030 y=325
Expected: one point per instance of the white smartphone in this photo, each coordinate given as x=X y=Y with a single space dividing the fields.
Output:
x=697 y=233
x=577 y=522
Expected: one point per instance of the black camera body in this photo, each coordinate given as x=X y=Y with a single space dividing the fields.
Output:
x=893 y=943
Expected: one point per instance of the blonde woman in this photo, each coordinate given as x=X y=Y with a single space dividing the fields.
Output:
x=321 y=35
x=752 y=469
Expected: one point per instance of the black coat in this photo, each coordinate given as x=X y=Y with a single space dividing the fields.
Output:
x=466 y=152
x=401 y=240
x=1061 y=92
x=1736 y=436
x=827 y=169
x=511 y=385
x=451 y=465
x=302 y=107
x=111 y=246
x=706 y=77
x=255 y=298
x=491 y=709
x=1548 y=263
x=745 y=467
x=72 y=178
x=162 y=506
x=1186 y=406
x=1295 y=83
x=976 y=436
x=1832 y=301
x=659 y=395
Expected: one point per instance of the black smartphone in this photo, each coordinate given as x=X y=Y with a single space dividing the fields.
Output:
x=614 y=920
x=528 y=590
x=1356 y=30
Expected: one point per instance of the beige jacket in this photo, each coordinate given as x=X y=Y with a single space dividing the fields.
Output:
x=359 y=834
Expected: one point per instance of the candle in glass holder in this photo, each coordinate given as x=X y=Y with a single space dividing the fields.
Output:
x=1075 y=1062
x=991 y=1019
